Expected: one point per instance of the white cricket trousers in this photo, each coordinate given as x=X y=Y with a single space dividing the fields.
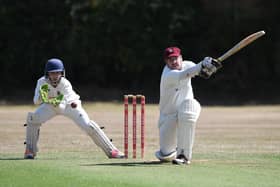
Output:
x=46 y=111
x=177 y=131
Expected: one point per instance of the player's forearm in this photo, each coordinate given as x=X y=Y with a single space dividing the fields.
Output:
x=37 y=99
x=69 y=94
x=190 y=72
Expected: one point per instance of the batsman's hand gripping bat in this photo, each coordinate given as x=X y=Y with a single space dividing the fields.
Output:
x=243 y=43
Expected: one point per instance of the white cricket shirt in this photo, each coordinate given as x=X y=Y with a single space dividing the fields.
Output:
x=175 y=86
x=64 y=87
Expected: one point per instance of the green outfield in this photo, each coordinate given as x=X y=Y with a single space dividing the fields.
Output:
x=234 y=146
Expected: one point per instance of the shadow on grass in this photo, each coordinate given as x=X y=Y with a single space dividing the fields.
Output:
x=142 y=163
x=12 y=159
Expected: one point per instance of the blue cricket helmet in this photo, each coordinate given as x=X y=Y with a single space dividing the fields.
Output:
x=54 y=65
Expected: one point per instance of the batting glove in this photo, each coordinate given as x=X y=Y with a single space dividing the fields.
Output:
x=208 y=67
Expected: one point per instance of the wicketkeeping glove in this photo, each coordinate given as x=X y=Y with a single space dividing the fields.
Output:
x=45 y=96
x=44 y=93
x=56 y=101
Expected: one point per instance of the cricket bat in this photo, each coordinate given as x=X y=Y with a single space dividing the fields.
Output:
x=243 y=43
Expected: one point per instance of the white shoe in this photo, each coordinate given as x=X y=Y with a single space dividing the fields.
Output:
x=181 y=159
x=165 y=158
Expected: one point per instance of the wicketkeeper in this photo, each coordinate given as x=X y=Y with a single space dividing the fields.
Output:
x=179 y=110
x=55 y=96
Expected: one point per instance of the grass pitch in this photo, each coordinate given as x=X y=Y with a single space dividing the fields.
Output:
x=234 y=146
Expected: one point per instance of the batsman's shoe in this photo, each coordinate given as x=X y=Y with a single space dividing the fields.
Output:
x=117 y=154
x=29 y=155
x=166 y=158
x=181 y=159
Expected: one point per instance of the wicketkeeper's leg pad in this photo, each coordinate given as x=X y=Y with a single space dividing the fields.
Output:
x=100 y=138
x=32 y=132
x=187 y=118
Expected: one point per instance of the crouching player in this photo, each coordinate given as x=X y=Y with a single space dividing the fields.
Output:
x=55 y=96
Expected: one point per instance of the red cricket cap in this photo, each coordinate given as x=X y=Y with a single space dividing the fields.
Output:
x=172 y=51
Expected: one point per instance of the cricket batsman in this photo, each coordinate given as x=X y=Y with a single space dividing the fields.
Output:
x=179 y=110
x=55 y=96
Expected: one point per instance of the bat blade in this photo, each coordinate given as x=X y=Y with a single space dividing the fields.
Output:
x=243 y=43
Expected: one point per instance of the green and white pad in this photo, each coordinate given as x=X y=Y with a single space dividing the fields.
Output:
x=188 y=114
x=32 y=132
x=100 y=139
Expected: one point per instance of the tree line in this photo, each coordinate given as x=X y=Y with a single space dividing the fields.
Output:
x=112 y=47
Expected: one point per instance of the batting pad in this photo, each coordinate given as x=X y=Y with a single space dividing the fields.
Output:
x=100 y=139
x=187 y=117
x=32 y=133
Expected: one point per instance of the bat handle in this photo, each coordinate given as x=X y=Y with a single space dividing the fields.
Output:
x=216 y=63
